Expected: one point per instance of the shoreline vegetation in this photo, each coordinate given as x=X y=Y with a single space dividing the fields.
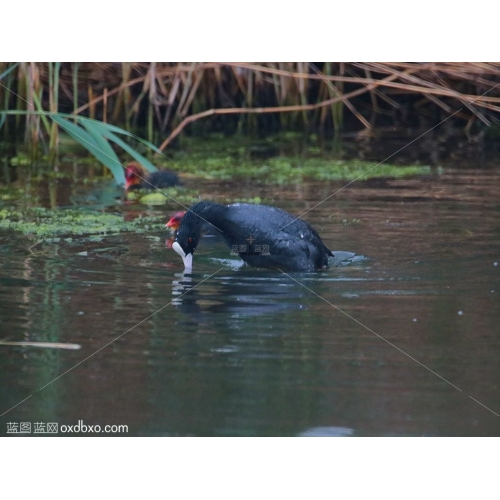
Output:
x=271 y=123
x=163 y=100
x=274 y=123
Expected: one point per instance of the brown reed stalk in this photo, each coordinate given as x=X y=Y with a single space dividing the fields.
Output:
x=186 y=89
x=184 y=110
x=176 y=94
x=105 y=105
x=93 y=101
x=76 y=67
x=274 y=109
x=172 y=95
x=54 y=107
x=32 y=76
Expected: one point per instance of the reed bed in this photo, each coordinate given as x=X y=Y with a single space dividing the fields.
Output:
x=162 y=100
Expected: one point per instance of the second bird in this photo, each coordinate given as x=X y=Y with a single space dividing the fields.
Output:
x=137 y=177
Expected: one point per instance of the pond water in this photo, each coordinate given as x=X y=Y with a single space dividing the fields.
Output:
x=393 y=344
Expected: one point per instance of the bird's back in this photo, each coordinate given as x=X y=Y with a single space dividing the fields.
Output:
x=163 y=179
x=291 y=243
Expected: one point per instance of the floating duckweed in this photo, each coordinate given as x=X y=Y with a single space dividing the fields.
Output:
x=256 y=201
x=132 y=196
x=50 y=225
x=156 y=198
x=227 y=159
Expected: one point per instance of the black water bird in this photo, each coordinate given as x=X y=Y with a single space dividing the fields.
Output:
x=137 y=177
x=261 y=235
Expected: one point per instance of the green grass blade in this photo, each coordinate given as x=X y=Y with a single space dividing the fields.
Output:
x=104 y=129
x=94 y=137
x=132 y=152
x=118 y=130
x=41 y=112
x=8 y=70
x=88 y=141
x=101 y=142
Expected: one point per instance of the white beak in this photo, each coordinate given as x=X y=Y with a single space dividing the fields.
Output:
x=187 y=259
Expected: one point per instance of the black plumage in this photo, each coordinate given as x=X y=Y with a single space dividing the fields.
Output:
x=262 y=235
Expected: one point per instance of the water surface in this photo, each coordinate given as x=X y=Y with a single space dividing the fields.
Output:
x=236 y=351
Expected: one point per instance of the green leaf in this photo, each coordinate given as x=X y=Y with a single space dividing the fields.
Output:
x=132 y=152
x=102 y=144
x=94 y=137
x=8 y=70
x=107 y=131
x=89 y=142
x=118 y=130
x=38 y=104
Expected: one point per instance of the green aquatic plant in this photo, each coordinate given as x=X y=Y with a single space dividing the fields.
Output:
x=226 y=159
x=56 y=225
x=164 y=195
x=257 y=200
x=95 y=136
